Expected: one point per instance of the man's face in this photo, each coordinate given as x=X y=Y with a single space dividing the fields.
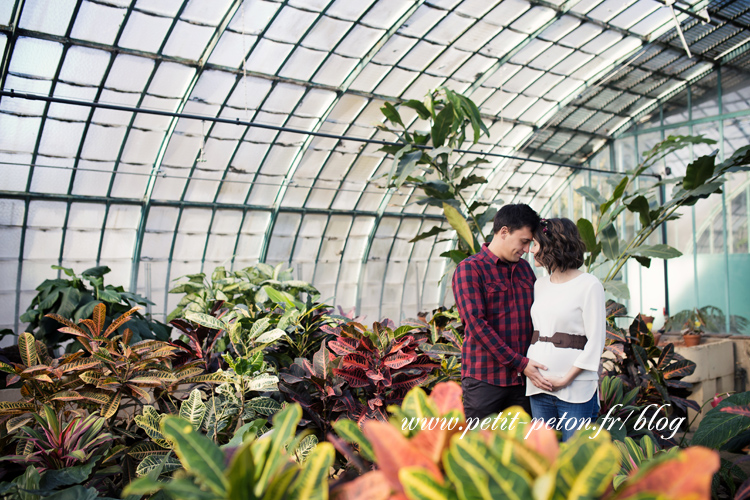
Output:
x=514 y=244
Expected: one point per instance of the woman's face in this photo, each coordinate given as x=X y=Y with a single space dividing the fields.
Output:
x=534 y=250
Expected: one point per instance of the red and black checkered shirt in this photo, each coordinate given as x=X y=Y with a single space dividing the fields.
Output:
x=494 y=300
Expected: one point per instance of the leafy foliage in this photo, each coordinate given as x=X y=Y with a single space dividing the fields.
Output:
x=256 y=468
x=516 y=460
x=702 y=178
x=649 y=374
x=248 y=287
x=73 y=299
x=423 y=162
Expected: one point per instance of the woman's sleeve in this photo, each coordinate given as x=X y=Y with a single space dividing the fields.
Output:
x=595 y=327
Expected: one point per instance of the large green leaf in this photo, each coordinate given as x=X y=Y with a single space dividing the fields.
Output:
x=717 y=428
x=659 y=251
x=587 y=233
x=198 y=454
x=591 y=194
x=241 y=474
x=610 y=242
x=278 y=296
x=391 y=113
x=616 y=194
x=419 y=107
x=698 y=172
x=640 y=205
x=442 y=125
x=406 y=165
x=272 y=336
x=270 y=455
x=618 y=289
x=458 y=222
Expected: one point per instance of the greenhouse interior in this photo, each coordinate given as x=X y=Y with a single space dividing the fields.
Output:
x=278 y=249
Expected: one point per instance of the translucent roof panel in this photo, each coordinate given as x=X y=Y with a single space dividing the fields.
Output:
x=191 y=185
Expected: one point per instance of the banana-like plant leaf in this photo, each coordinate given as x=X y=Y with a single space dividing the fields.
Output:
x=617 y=288
x=610 y=242
x=659 y=251
x=591 y=194
x=587 y=233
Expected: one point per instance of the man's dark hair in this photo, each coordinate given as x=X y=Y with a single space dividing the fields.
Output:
x=560 y=245
x=516 y=216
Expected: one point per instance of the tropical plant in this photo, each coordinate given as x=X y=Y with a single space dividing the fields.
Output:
x=59 y=446
x=423 y=161
x=445 y=339
x=380 y=365
x=56 y=484
x=708 y=319
x=246 y=287
x=72 y=298
x=512 y=458
x=257 y=468
x=634 y=454
x=640 y=364
x=702 y=178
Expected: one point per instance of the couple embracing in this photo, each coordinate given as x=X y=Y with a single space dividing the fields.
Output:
x=530 y=342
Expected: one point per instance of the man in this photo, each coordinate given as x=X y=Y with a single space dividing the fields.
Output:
x=494 y=290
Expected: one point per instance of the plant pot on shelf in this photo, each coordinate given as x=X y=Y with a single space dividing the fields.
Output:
x=691 y=339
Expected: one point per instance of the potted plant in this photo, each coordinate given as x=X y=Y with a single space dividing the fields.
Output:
x=692 y=328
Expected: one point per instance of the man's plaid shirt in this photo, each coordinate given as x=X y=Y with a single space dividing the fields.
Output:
x=494 y=300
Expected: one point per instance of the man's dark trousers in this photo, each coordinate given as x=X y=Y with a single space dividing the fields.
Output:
x=482 y=399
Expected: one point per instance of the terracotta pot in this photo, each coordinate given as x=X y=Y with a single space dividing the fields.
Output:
x=691 y=340
x=657 y=338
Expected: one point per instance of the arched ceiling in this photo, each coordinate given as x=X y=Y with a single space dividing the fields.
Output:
x=155 y=197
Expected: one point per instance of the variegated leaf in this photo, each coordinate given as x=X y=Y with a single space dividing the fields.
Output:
x=66 y=322
x=34 y=369
x=16 y=423
x=80 y=364
x=188 y=372
x=306 y=446
x=98 y=397
x=5 y=367
x=212 y=378
x=271 y=336
x=90 y=325
x=27 y=349
x=259 y=327
x=193 y=409
x=99 y=315
x=139 y=392
x=90 y=377
x=111 y=407
x=168 y=464
x=263 y=406
x=67 y=396
x=118 y=322
x=264 y=382
x=147 y=449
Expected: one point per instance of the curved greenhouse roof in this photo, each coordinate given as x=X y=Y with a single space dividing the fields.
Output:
x=233 y=132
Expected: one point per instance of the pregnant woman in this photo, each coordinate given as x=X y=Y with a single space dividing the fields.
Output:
x=569 y=317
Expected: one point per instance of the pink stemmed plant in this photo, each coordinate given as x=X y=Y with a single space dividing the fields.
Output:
x=55 y=445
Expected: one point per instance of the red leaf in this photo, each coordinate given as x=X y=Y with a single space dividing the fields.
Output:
x=370 y=486
x=355 y=377
x=343 y=346
x=354 y=361
x=695 y=467
x=399 y=360
x=737 y=410
x=447 y=396
x=408 y=383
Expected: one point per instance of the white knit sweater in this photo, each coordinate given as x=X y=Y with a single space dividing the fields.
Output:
x=576 y=307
